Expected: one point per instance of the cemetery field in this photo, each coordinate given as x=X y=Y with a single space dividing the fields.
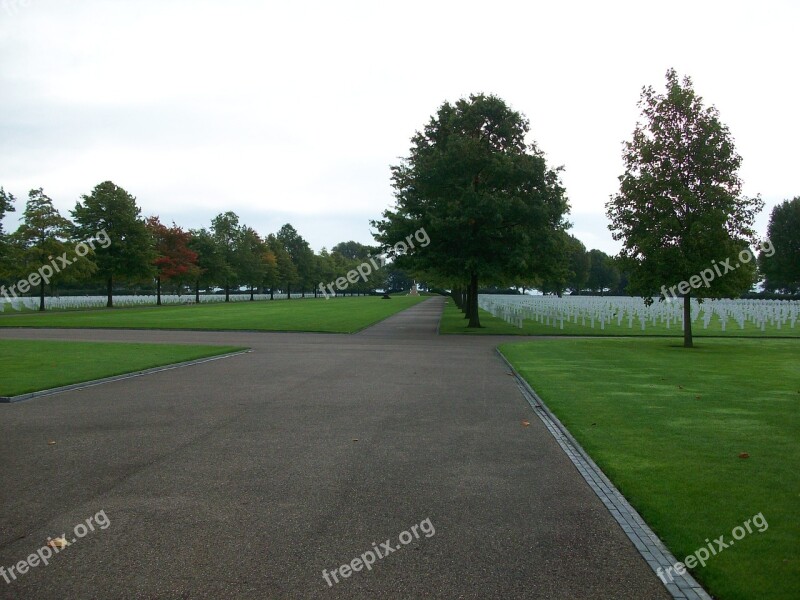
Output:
x=337 y=315
x=668 y=426
x=34 y=365
x=623 y=317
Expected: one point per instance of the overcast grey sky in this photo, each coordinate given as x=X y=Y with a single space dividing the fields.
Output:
x=293 y=111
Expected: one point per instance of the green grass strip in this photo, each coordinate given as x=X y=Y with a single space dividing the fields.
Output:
x=668 y=425
x=336 y=315
x=34 y=365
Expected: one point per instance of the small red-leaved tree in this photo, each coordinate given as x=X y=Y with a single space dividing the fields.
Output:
x=174 y=260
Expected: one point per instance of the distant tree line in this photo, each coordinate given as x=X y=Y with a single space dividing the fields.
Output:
x=145 y=254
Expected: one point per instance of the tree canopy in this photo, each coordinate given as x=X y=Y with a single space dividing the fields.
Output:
x=491 y=208
x=130 y=253
x=782 y=268
x=43 y=234
x=680 y=204
x=174 y=258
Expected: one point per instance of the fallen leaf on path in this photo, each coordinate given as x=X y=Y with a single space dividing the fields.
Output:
x=355 y=439
x=59 y=542
x=526 y=423
x=51 y=443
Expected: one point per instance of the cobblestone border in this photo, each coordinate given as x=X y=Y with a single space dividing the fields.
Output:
x=652 y=549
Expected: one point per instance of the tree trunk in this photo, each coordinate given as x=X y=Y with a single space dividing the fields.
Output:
x=288 y=292
x=467 y=299
x=687 y=322
x=41 y=296
x=110 y=292
x=474 y=317
x=227 y=292
x=158 y=290
x=251 y=294
x=456 y=294
x=197 y=291
x=272 y=293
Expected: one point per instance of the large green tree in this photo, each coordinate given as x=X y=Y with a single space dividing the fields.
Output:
x=286 y=269
x=271 y=275
x=302 y=257
x=354 y=250
x=570 y=272
x=250 y=262
x=489 y=205
x=781 y=264
x=603 y=273
x=130 y=253
x=42 y=235
x=210 y=262
x=579 y=263
x=6 y=206
x=680 y=204
x=227 y=233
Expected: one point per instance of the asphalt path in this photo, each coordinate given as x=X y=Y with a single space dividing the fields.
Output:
x=248 y=477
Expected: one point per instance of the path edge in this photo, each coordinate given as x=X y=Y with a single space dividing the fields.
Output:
x=647 y=543
x=93 y=382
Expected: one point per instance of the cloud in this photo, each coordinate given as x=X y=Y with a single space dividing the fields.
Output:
x=298 y=109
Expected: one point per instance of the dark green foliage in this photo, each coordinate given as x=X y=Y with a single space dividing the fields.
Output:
x=782 y=269
x=680 y=204
x=130 y=254
x=492 y=209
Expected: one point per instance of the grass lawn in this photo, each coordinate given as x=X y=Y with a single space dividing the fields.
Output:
x=453 y=321
x=33 y=365
x=337 y=315
x=667 y=425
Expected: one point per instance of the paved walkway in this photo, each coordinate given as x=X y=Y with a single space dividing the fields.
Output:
x=246 y=477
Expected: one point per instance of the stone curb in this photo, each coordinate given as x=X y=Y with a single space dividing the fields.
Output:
x=93 y=382
x=652 y=549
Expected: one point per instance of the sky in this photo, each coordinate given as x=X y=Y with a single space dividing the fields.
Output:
x=294 y=111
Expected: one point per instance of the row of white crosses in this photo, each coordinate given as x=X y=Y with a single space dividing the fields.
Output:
x=86 y=302
x=597 y=312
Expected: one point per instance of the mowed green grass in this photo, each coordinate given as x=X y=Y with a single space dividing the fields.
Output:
x=336 y=315
x=453 y=321
x=34 y=365
x=668 y=424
